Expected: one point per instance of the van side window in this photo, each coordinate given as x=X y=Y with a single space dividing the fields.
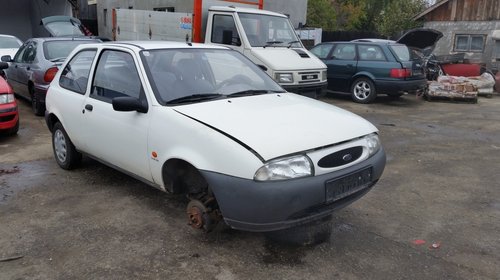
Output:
x=115 y=76
x=75 y=75
x=224 y=31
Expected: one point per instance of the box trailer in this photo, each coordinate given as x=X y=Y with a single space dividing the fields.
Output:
x=266 y=38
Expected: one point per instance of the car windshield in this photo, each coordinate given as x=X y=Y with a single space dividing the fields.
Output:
x=195 y=75
x=265 y=30
x=9 y=43
x=60 y=49
x=63 y=28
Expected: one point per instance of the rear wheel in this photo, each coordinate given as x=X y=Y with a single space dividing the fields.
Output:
x=65 y=153
x=363 y=91
x=37 y=107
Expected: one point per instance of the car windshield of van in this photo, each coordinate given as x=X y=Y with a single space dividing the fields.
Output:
x=9 y=43
x=180 y=76
x=58 y=50
x=266 y=31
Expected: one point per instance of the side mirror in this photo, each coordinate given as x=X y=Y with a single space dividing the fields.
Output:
x=127 y=104
x=4 y=65
x=6 y=58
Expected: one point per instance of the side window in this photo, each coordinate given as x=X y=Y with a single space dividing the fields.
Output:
x=75 y=75
x=20 y=53
x=345 y=52
x=115 y=76
x=224 y=31
x=322 y=51
x=30 y=53
x=370 y=53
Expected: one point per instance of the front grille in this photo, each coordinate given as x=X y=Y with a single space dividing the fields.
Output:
x=7 y=118
x=307 y=77
x=341 y=157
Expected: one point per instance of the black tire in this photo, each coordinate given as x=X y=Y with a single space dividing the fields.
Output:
x=37 y=107
x=363 y=91
x=303 y=235
x=65 y=153
x=14 y=130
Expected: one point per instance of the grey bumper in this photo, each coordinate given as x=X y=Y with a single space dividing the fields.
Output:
x=268 y=206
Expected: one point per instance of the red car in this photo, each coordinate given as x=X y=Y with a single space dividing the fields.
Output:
x=9 y=116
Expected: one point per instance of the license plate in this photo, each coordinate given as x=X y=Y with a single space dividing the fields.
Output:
x=347 y=185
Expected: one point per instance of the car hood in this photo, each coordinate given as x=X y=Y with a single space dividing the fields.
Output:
x=420 y=38
x=275 y=125
x=287 y=59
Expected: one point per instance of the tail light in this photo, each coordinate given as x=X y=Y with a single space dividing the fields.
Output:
x=50 y=74
x=400 y=73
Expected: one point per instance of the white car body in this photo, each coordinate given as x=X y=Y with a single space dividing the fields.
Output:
x=225 y=140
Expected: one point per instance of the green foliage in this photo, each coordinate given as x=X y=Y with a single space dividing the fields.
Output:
x=320 y=13
x=387 y=17
x=397 y=16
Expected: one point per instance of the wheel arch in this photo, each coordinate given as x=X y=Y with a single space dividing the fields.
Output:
x=363 y=74
x=181 y=176
x=51 y=120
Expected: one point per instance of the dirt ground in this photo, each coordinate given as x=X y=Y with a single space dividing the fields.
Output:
x=440 y=185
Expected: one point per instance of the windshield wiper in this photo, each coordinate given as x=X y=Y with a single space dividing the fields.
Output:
x=292 y=42
x=195 y=98
x=252 y=92
x=270 y=43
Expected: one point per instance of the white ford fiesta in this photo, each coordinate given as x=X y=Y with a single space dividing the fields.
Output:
x=207 y=122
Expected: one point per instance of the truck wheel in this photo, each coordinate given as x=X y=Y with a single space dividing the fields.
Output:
x=363 y=91
x=307 y=234
x=36 y=105
x=66 y=155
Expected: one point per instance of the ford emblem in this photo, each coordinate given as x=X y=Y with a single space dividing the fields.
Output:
x=347 y=157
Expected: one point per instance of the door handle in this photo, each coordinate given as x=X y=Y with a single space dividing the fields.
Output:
x=89 y=107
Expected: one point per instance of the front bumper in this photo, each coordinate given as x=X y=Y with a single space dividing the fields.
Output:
x=8 y=116
x=304 y=89
x=268 y=206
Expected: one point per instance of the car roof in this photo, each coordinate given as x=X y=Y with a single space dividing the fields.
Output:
x=152 y=45
x=245 y=10
x=62 y=38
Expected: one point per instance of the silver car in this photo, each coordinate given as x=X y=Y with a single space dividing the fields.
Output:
x=35 y=65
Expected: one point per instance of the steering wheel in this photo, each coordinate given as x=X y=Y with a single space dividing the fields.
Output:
x=236 y=79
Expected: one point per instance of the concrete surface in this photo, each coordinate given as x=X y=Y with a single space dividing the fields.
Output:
x=441 y=185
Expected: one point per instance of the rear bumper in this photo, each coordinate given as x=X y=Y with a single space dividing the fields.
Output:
x=8 y=116
x=400 y=86
x=41 y=92
x=268 y=206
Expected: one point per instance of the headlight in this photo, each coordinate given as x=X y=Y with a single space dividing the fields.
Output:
x=287 y=168
x=323 y=76
x=284 y=77
x=6 y=98
x=373 y=144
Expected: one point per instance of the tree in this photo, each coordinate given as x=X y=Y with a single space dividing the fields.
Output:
x=320 y=13
x=398 y=15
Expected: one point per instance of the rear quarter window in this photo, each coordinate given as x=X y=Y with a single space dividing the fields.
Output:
x=401 y=52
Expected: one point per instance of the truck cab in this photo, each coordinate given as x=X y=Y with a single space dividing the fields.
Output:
x=269 y=40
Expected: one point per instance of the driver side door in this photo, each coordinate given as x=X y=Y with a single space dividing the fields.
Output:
x=117 y=138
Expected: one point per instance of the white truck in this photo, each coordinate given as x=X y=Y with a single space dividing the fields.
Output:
x=266 y=38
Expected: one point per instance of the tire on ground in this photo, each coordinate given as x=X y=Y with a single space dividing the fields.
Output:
x=65 y=153
x=363 y=91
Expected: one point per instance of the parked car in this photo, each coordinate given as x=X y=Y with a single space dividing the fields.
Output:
x=205 y=121
x=9 y=45
x=35 y=64
x=9 y=116
x=367 y=67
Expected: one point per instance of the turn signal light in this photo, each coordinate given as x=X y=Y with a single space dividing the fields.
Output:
x=400 y=73
x=50 y=74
